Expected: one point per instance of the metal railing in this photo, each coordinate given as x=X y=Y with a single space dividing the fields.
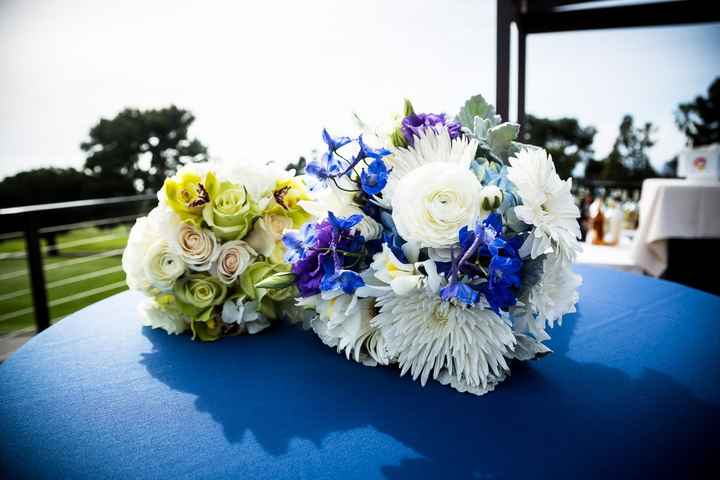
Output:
x=36 y=222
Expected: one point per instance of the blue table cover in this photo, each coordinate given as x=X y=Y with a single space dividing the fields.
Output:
x=632 y=391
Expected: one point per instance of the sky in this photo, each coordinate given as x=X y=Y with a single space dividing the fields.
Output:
x=264 y=78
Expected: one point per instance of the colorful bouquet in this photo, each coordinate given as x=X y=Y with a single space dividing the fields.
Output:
x=441 y=245
x=203 y=253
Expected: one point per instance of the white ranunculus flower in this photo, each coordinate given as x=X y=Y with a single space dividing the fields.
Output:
x=155 y=317
x=434 y=201
x=162 y=265
x=232 y=260
x=244 y=314
x=332 y=199
x=547 y=205
x=198 y=247
x=432 y=145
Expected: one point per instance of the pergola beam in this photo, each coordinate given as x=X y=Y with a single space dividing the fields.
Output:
x=629 y=16
x=547 y=16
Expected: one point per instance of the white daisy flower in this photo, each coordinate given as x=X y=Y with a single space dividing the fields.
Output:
x=547 y=205
x=461 y=346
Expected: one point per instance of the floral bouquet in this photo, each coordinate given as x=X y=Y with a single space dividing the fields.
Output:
x=441 y=245
x=203 y=253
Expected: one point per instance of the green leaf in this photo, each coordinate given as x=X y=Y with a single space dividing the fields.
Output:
x=278 y=280
x=501 y=137
x=407 y=108
x=398 y=139
x=475 y=106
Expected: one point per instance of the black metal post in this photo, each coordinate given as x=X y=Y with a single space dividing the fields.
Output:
x=502 y=80
x=37 y=279
x=522 y=36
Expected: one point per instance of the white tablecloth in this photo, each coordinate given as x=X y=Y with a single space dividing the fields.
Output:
x=674 y=208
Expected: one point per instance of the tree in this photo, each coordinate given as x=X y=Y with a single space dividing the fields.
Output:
x=142 y=147
x=699 y=120
x=628 y=159
x=563 y=138
x=48 y=185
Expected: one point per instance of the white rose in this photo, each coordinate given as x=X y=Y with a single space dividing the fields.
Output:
x=155 y=317
x=433 y=202
x=162 y=266
x=142 y=236
x=233 y=258
x=160 y=223
x=266 y=232
x=197 y=247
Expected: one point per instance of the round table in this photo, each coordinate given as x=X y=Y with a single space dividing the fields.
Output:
x=631 y=391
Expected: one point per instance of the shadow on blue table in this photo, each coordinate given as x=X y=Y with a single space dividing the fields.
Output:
x=555 y=418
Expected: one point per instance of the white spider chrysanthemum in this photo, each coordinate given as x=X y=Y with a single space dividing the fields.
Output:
x=343 y=322
x=457 y=345
x=547 y=204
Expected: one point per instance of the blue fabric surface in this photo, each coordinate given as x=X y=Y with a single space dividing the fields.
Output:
x=632 y=391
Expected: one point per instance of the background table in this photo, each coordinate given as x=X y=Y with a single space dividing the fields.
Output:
x=674 y=208
x=632 y=390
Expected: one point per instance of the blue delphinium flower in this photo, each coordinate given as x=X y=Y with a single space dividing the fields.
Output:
x=374 y=178
x=460 y=291
x=322 y=255
x=344 y=223
x=484 y=251
x=367 y=152
x=334 y=144
x=339 y=279
x=332 y=165
x=298 y=243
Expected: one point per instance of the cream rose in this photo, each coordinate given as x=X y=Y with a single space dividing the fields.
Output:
x=267 y=231
x=233 y=258
x=197 y=247
x=434 y=201
x=162 y=266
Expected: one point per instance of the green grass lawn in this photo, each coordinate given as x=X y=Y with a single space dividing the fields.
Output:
x=68 y=276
